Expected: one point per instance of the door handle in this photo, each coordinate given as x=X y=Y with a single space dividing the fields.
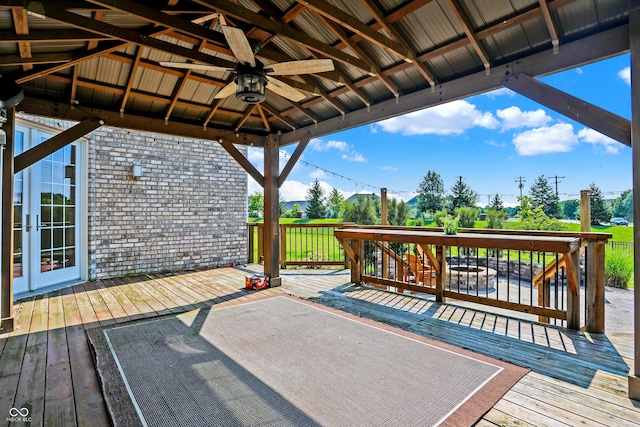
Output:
x=27 y=225
x=37 y=223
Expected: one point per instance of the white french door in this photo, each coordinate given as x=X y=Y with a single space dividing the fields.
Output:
x=47 y=216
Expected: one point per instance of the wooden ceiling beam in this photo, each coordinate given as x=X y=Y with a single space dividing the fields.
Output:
x=265 y=121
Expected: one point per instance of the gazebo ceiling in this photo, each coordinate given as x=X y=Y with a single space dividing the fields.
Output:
x=102 y=58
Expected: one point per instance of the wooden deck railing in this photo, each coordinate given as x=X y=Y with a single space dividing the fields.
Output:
x=548 y=274
x=301 y=244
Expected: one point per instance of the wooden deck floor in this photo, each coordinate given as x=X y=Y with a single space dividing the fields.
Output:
x=576 y=378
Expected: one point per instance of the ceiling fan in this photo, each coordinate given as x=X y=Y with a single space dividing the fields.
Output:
x=252 y=76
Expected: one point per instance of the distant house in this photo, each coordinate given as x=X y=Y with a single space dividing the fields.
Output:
x=363 y=193
x=302 y=203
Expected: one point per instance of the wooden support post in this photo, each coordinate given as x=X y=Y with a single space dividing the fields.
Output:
x=441 y=273
x=585 y=211
x=6 y=253
x=544 y=298
x=634 y=49
x=271 y=212
x=594 y=287
x=356 y=263
x=573 y=289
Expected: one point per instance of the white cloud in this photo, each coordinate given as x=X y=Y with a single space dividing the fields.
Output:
x=452 y=118
x=387 y=168
x=558 y=138
x=318 y=173
x=514 y=118
x=579 y=70
x=354 y=156
x=609 y=145
x=351 y=155
x=625 y=74
x=503 y=91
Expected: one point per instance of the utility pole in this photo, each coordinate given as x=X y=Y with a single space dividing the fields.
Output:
x=520 y=180
x=557 y=180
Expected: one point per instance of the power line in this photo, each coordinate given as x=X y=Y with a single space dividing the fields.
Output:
x=355 y=181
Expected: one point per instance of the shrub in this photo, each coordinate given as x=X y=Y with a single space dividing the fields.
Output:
x=439 y=217
x=618 y=269
x=468 y=216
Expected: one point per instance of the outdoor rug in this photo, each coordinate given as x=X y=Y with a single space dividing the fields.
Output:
x=281 y=361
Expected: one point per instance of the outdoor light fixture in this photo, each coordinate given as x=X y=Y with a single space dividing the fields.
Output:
x=136 y=170
x=11 y=94
x=250 y=85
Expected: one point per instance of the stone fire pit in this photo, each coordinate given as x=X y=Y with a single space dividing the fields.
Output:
x=470 y=277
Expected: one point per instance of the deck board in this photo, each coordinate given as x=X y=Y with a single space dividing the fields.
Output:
x=576 y=379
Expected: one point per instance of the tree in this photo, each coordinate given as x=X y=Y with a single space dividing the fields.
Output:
x=570 y=208
x=430 y=194
x=623 y=205
x=462 y=196
x=542 y=194
x=334 y=204
x=496 y=203
x=256 y=205
x=534 y=218
x=397 y=212
x=600 y=212
x=315 y=202
x=361 y=212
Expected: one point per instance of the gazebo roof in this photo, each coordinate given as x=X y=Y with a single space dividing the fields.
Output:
x=101 y=58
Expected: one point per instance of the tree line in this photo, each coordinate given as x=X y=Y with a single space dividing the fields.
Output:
x=539 y=209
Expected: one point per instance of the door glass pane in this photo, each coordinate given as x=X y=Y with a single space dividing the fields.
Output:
x=58 y=220
x=18 y=196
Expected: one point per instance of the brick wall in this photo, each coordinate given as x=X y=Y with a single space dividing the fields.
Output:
x=187 y=211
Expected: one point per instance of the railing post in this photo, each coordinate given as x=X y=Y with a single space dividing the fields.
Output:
x=595 y=280
x=250 y=258
x=441 y=274
x=283 y=246
x=573 y=299
x=357 y=264
x=260 y=242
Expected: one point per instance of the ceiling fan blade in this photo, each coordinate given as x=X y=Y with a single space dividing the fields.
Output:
x=228 y=90
x=239 y=45
x=284 y=90
x=190 y=66
x=304 y=66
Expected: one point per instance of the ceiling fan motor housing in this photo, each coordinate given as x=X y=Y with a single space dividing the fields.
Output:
x=251 y=83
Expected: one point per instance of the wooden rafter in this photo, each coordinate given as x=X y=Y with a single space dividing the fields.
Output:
x=98 y=15
x=544 y=8
x=342 y=36
x=132 y=73
x=22 y=27
x=276 y=115
x=375 y=11
x=246 y=116
x=467 y=27
x=263 y=117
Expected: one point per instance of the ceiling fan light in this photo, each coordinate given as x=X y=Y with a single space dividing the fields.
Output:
x=250 y=87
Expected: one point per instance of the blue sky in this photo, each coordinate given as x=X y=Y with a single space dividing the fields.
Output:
x=489 y=139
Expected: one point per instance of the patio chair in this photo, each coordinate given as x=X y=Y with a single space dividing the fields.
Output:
x=421 y=270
